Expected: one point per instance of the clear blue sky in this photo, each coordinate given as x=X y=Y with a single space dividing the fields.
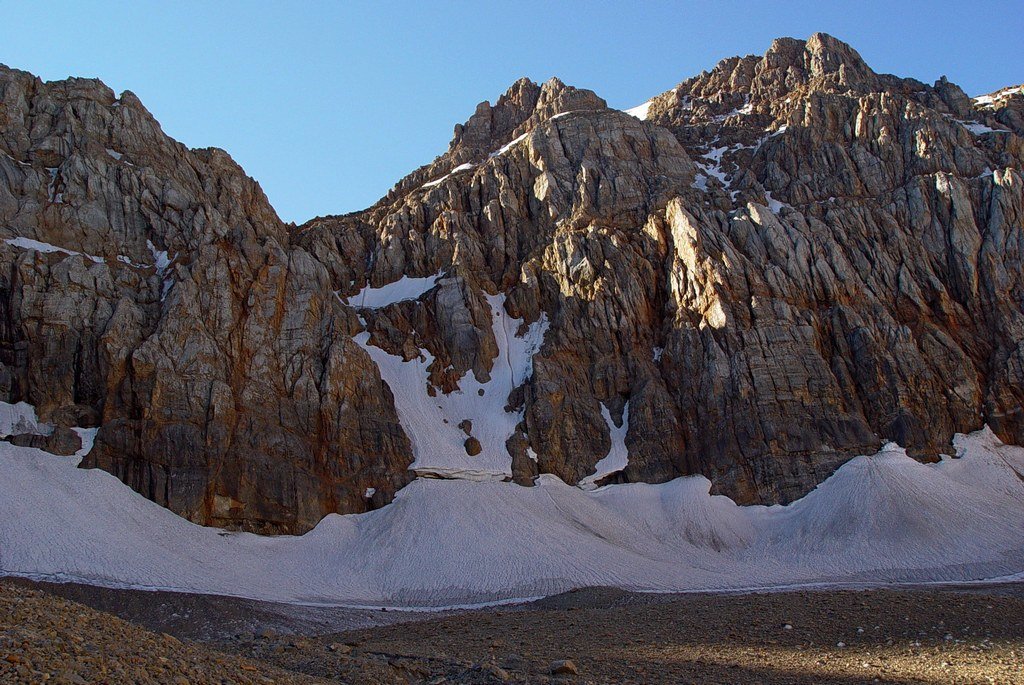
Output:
x=328 y=104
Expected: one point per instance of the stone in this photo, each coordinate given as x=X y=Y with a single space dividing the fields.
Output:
x=563 y=667
x=472 y=446
x=61 y=441
x=497 y=673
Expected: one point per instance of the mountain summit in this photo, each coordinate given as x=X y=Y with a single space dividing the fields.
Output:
x=769 y=269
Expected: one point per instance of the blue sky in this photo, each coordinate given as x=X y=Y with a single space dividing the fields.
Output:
x=328 y=104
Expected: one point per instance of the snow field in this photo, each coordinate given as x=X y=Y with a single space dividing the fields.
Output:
x=879 y=519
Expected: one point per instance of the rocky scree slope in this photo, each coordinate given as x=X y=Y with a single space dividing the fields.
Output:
x=772 y=267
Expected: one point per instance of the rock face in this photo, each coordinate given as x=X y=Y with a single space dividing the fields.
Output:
x=789 y=260
x=152 y=290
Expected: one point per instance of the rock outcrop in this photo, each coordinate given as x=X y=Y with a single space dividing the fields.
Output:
x=152 y=290
x=789 y=260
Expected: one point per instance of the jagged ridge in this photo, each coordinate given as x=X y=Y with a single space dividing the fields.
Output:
x=791 y=259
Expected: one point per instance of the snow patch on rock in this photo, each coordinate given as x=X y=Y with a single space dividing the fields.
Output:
x=405 y=288
x=774 y=205
x=640 y=111
x=462 y=167
x=38 y=246
x=20 y=419
x=979 y=129
x=432 y=422
x=508 y=146
x=993 y=100
x=617 y=458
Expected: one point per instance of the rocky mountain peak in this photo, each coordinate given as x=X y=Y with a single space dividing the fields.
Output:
x=1005 y=106
x=519 y=110
x=790 y=66
x=779 y=264
x=826 y=57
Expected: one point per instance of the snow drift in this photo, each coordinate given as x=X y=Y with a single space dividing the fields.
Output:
x=878 y=519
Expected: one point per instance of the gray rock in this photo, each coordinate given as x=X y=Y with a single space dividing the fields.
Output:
x=563 y=667
x=62 y=441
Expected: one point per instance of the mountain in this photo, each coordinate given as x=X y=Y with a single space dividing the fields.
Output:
x=755 y=276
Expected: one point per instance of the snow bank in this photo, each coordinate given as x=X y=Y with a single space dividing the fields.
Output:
x=878 y=519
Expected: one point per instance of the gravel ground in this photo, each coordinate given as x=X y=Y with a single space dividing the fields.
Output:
x=47 y=639
x=922 y=635
x=212 y=617
x=907 y=636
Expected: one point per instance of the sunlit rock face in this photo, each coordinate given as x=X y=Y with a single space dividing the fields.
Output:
x=152 y=290
x=786 y=262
